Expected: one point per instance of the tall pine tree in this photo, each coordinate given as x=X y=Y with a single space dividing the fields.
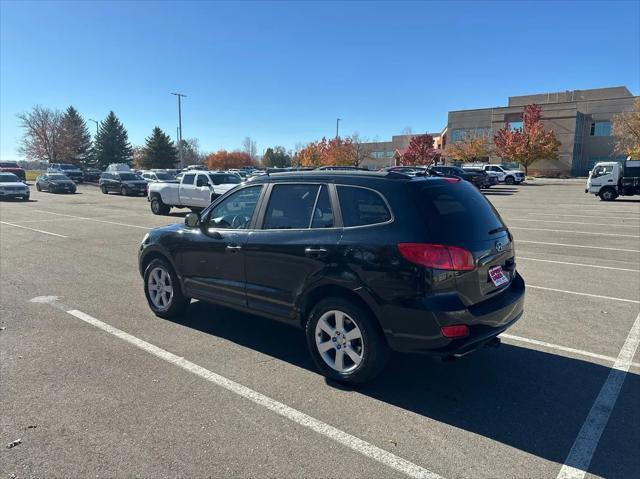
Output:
x=112 y=143
x=75 y=139
x=159 y=151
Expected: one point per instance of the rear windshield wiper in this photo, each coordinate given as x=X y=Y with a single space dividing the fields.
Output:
x=497 y=230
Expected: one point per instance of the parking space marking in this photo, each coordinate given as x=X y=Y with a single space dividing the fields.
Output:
x=625 y=300
x=356 y=444
x=571 y=216
x=94 y=219
x=574 y=232
x=578 y=264
x=581 y=453
x=579 y=246
x=558 y=347
x=573 y=223
x=33 y=229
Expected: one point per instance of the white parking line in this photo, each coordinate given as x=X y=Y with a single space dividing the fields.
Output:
x=577 y=352
x=635 y=301
x=33 y=229
x=575 y=232
x=578 y=264
x=366 y=449
x=573 y=223
x=94 y=219
x=521 y=210
x=579 y=246
x=579 y=458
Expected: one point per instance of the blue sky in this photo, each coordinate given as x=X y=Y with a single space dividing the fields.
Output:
x=281 y=72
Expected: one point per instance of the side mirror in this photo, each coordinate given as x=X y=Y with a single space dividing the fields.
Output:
x=192 y=220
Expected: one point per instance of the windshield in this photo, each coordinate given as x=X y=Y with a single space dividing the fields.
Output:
x=58 y=177
x=68 y=167
x=8 y=178
x=128 y=176
x=601 y=170
x=9 y=164
x=222 y=179
x=164 y=176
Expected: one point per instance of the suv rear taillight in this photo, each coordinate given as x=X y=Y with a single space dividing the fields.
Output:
x=437 y=256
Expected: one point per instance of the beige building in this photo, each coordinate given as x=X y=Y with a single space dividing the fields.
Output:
x=382 y=153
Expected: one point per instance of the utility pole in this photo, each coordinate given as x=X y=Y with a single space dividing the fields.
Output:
x=96 y=125
x=180 y=95
x=338 y=127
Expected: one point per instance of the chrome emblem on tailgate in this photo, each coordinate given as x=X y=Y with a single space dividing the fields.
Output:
x=499 y=246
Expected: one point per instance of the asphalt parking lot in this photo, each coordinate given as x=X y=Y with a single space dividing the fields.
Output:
x=95 y=385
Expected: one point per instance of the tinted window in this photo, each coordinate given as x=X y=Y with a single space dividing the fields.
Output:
x=322 y=212
x=128 y=176
x=9 y=164
x=455 y=212
x=290 y=206
x=8 y=178
x=188 y=179
x=225 y=179
x=236 y=210
x=360 y=206
x=57 y=176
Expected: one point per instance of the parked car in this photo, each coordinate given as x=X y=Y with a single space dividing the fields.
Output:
x=505 y=175
x=196 y=190
x=13 y=167
x=477 y=179
x=490 y=179
x=12 y=187
x=67 y=169
x=55 y=183
x=363 y=262
x=92 y=174
x=124 y=182
x=158 y=176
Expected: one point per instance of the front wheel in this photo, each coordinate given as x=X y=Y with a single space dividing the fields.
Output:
x=509 y=180
x=608 y=194
x=38 y=187
x=345 y=341
x=162 y=290
x=158 y=207
x=103 y=188
x=123 y=191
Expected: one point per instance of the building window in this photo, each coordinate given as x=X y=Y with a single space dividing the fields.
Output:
x=601 y=128
x=461 y=133
x=377 y=154
x=389 y=154
x=514 y=125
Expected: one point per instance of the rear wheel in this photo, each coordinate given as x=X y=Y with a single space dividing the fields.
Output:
x=162 y=290
x=509 y=180
x=124 y=191
x=158 y=207
x=608 y=194
x=345 y=341
x=38 y=187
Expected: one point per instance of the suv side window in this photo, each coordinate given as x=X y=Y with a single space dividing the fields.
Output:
x=322 y=211
x=361 y=206
x=235 y=211
x=290 y=206
x=187 y=179
x=106 y=176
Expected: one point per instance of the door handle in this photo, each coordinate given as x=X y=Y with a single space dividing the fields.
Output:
x=233 y=248
x=316 y=252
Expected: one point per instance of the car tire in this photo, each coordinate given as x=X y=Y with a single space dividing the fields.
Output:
x=364 y=355
x=38 y=187
x=103 y=188
x=158 y=207
x=25 y=198
x=608 y=194
x=168 y=302
x=123 y=191
x=509 y=180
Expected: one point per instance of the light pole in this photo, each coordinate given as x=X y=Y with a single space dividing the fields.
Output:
x=338 y=127
x=96 y=122
x=180 y=95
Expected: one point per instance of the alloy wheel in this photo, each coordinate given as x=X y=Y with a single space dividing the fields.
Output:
x=160 y=288
x=339 y=341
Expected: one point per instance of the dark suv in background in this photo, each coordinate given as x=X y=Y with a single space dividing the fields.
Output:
x=364 y=262
x=478 y=179
x=124 y=182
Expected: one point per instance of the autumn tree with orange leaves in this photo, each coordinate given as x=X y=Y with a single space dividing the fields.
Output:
x=420 y=152
x=334 y=152
x=528 y=144
x=224 y=160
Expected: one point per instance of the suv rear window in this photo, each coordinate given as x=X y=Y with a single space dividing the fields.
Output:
x=455 y=212
x=361 y=206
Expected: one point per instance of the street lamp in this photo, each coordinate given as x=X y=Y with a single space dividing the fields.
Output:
x=180 y=95
x=96 y=122
x=338 y=127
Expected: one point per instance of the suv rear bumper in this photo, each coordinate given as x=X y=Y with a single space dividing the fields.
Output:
x=419 y=330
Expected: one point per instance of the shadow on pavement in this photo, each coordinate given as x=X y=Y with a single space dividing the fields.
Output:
x=531 y=400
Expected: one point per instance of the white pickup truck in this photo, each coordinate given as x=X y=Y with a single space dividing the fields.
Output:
x=509 y=177
x=196 y=190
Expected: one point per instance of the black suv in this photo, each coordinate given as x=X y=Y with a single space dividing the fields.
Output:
x=364 y=262
x=480 y=180
x=125 y=182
